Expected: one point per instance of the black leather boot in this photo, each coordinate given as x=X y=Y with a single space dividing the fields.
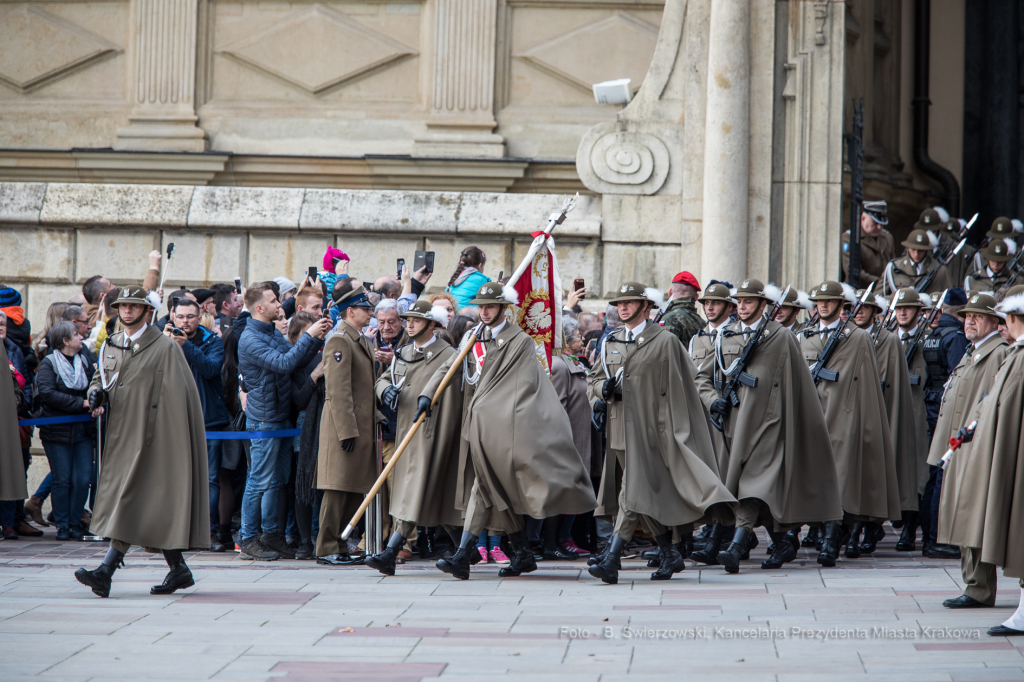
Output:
x=458 y=564
x=811 y=539
x=386 y=560
x=99 y=579
x=669 y=560
x=830 y=544
x=853 y=547
x=730 y=558
x=523 y=560
x=700 y=540
x=873 y=532
x=221 y=540
x=786 y=545
x=179 y=577
x=709 y=555
x=685 y=544
x=607 y=569
x=908 y=537
x=752 y=543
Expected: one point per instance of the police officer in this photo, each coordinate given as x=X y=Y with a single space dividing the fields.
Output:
x=917 y=264
x=876 y=243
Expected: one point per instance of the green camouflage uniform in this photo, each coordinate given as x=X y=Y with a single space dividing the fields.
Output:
x=682 y=319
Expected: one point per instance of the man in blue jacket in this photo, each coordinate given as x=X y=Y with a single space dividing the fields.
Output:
x=204 y=352
x=266 y=362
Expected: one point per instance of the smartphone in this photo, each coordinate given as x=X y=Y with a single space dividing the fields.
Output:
x=238 y=285
x=312 y=273
x=401 y=265
x=182 y=288
x=423 y=259
x=501 y=275
x=592 y=346
x=578 y=284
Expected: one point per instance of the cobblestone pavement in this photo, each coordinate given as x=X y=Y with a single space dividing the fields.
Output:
x=877 y=618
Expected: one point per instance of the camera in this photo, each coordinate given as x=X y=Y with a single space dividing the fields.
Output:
x=177 y=331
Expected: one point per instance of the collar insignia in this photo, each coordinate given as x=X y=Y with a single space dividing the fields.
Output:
x=135 y=348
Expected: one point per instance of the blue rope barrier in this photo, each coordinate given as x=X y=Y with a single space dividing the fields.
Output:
x=210 y=435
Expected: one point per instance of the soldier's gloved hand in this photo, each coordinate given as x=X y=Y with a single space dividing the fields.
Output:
x=719 y=408
x=608 y=389
x=390 y=396
x=348 y=445
x=95 y=399
x=964 y=435
x=422 y=407
x=600 y=415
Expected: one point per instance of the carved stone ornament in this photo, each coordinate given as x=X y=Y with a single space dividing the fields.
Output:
x=622 y=161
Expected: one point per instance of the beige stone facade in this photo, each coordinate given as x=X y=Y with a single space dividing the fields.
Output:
x=252 y=134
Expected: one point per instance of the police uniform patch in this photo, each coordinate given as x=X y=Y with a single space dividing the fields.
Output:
x=337 y=356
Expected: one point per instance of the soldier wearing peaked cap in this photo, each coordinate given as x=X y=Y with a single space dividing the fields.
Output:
x=967 y=385
x=994 y=273
x=780 y=465
x=908 y=309
x=516 y=436
x=876 y=243
x=851 y=398
x=425 y=479
x=152 y=483
x=916 y=264
x=894 y=378
x=657 y=431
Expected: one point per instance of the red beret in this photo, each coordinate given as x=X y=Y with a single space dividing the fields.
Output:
x=686 y=278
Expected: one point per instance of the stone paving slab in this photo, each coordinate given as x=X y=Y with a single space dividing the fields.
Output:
x=874 y=618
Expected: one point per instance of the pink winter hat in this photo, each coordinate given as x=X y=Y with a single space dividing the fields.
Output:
x=331 y=254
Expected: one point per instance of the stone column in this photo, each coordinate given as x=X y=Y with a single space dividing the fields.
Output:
x=462 y=104
x=727 y=143
x=163 y=116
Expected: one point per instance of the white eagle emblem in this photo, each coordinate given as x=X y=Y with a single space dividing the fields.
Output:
x=903 y=295
x=974 y=300
x=538 y=317
x=623 y=289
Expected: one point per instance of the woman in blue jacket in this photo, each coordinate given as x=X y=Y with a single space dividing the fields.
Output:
x=468 y=278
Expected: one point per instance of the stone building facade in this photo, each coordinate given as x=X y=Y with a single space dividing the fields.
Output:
x=252 y=134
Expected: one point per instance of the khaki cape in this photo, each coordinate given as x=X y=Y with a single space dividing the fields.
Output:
x=12 y=466
x=670 y=471
x=517 y=435
x=425 y=478
x=857 y=425
x=894 y=378
x=349 y=412
x=918 y=374
x=152 y=486
x=779 y=451
x=702 y=352
x=569 y=378
x=988 y=505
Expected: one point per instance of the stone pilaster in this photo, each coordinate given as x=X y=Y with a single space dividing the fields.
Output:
x=163 y=57
x=461 y=120
x=727 y=142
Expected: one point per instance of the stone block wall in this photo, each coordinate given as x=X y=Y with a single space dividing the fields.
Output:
x=57 y=235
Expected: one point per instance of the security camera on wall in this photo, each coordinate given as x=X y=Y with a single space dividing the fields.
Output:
x=613 y=92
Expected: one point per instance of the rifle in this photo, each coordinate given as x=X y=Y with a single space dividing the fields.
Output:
x=886 y=320
x=944 y=253
x=1014 y=266
x=738 y=373
x=818 y=371
x=923 y=328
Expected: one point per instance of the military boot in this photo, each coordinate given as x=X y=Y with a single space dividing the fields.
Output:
x=685 y=544
x=458 y=564
x=670 y=560
x=709 y=554
x=221 y=541
x=730 y=558
x=523 y=560
x=752 y=544
x=99 y=579
x=873 y=532
x=178 y=578
x=607 y=569
x=386 y=560
x=786 y=545
x=811 y=539
x=853 y=548
x=830 y=544
x=908 y=537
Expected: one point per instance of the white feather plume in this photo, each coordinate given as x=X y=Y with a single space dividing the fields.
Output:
x=882 y=304
x=1011 y=246
x=510 y=295
x=1012 y=305
x=655 y=295
x=933 y=238
x=440 y=314
x=1018 y=226
x=804 y=300
x=926 y=300
x=773 y=293
x=943 y=214
x=849 y=293
x=154 y=300
x=732 y=292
